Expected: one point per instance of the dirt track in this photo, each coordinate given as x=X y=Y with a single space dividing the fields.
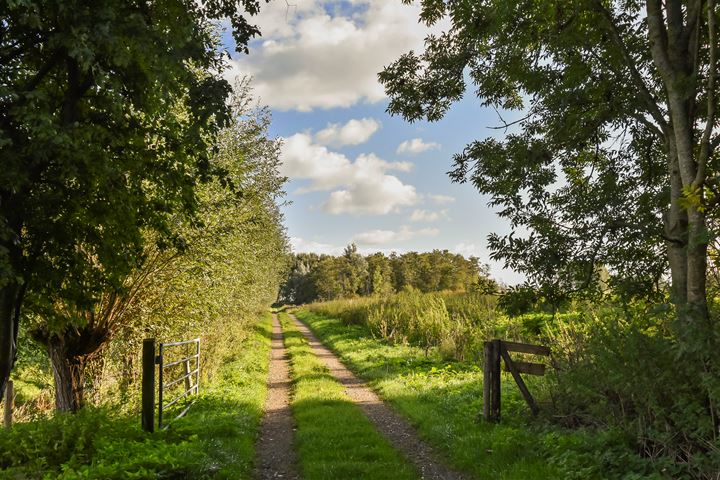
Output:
x=394 y=427
x=276 y=456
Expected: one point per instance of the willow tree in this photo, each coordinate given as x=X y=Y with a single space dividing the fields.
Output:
x=229 y=263
x=106 y=114
x=611 y=157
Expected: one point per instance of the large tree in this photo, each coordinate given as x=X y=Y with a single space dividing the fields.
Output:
x=107 y=111
x=612 y=158
x=230 y=261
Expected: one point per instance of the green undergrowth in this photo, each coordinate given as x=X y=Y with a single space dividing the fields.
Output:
x=214 y=440
x=443 y=400
x=334 y=439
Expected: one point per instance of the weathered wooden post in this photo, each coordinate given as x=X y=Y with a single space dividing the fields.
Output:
x=515 y=368
x=491 y=381
x=493 y=352
x=9 y=397
x=495 y=398
x=487 y=374
x=148 y=385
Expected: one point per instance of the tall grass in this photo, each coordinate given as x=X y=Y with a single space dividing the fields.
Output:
x=456 y=324
x=617 y=368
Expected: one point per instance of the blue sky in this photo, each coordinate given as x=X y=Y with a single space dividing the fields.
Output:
x=350 y=181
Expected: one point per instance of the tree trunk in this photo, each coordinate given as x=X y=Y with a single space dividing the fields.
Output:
x=676 y=231
x=672 y=54
x=697 y=309
x=11 y=296
x=69 y=352
x=69 y=373
x=687 y=242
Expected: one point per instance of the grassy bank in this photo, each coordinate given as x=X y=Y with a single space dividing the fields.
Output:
x=334 y=439
x=215 y=439
x=443 y=400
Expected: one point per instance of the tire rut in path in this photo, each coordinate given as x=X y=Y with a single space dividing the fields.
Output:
x=389 y=423
x=275 y=455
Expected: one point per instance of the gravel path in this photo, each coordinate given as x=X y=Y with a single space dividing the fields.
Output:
x=276 y=456
x=394 y=427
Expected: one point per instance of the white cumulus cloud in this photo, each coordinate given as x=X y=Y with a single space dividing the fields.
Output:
x=321 y=55
x=362 y=186
x=301 y=245
x=354 y=132
x=415 y=146
x=381 y=237
x=442 y=199
x=470 y=250
x=421 y=215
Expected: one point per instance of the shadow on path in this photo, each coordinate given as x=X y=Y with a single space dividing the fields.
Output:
x=276 y=457
x=390 y=424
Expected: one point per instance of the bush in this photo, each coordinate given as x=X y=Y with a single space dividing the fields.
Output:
x=626 y=370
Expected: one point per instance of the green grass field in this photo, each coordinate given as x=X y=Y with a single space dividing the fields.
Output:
x=443 y=400
x=214 y=440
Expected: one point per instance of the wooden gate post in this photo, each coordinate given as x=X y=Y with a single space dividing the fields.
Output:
x=494 y=350
x=148 y=385
x=495 y=398
x=491 y=381
x=487 y=374
x=9 y=398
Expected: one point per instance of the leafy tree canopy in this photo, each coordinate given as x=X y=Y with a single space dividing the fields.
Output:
x=611 y=161
x=107 y=113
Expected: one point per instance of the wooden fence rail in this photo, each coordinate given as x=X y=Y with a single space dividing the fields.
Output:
x=499 y=349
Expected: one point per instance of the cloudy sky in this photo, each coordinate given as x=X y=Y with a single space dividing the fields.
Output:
x=356 y=173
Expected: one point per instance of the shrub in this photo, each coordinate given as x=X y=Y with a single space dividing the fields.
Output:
x=618 y=369
x=625 y=369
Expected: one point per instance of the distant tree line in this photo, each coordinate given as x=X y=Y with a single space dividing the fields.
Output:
x=314 y=276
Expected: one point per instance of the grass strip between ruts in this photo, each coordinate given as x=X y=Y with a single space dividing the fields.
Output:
x=334 y=438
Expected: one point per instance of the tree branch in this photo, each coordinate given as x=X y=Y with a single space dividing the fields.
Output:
x=637 y=79
x=675 y=23
x=658 y=39
x=710 y=122
x=691 y=39
x=653 y=128
x=40 y=75
x=694 y=11
x=506 y=124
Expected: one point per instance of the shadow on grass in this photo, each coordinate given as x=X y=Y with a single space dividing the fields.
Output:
x=215 y=438
x=263 y=331
x=335 y=440
x=443 y=400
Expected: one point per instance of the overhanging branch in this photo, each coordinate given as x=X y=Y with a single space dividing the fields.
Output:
x=710 y=122
x=647 y=97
